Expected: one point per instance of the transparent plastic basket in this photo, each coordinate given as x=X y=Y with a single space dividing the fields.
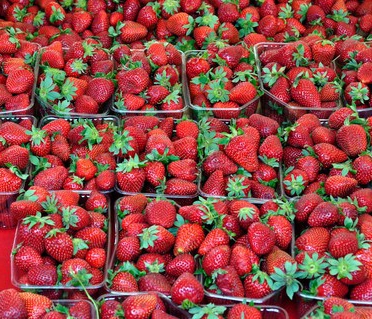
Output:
x=184 y=199
x=271 y=104
x=16 y=274
x=95 y=119
x=29 y=110
x=112 y=260
x=158 y=113
x=6 y=199
x=199 y=112
x=46 y=108
x=172 y=309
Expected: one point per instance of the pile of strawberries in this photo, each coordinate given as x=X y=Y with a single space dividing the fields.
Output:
x=25 y=305
x=73 y=154
x=149 y=80
x=223 y=82
x=18 y=72
x=356 y=63
x=240 y=160
x=75 y=80
x=61 y=240
x=298 y=78
x=157 y=156
x=332 y=160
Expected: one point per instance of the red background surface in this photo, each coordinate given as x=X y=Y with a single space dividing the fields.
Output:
x=6 y=242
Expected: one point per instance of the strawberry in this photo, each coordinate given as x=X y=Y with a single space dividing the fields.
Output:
x=314 y=239
x=305 y=91
x=42 y=275
x=36 y=305
x=139 y=306
x=177 y=186
x=219 y=161
x=352 y=139
x=100 y=89
x=329 y=154
x=160 y=212
x=305 y=205
x=181 y=264
x=16 y=156
x=261 y=238
x=229 y=283
x=282 y=229
x=217 y=257
x=19 y=81
x=51 y=178
x=54 y=13
x=245 y=311
x=130 y=175
x=156 y=239
x=58 y=245
x=94 y=236
x=240 y=260
x=179 y=24
x=325 y=214
x=124 y=282
x=332 y=302
x=362 y=165
x=184 y=169
x=11 y=305
x=187 y=287
x=340 y=186
x=256 y=286
x=243 y=152
x=13 y=133
x=214 y=238
x=331 y=287
x=132 y=31
x=215 y=184
x=271 y=148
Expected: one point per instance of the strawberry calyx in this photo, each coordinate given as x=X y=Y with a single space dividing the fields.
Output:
x=39 y=163
x=62 y=309
x=286 y=12
x=50 y=205
x=298 y=56
x=15 y=170
x=272 y=162
x=12 y=32
x=345 y=167
x=148 y=237
x=62 y=107
x=295 y=184
x=19 y=14
x=57 y=15
x=164 y=158
x=246 y=25
x=114 y=32
x=90 y=134
x=28 y=195
x=69 y=218
x=312 y=266
x=359 y=93
x=37 y=135
x=344 y=266
x=209 y=311
x=54 y=232
x=79 y=244
x=287 y=279
x=68 y=90
x=304 y=8
x=121 y=143
x=31 y=221
x=270 y=76
x=339 y=16
x=208 y=20
x=79 y=66
x=155 y=267
x=47 y=91
x=236 y=187
x=210 y=216
x=171 y=6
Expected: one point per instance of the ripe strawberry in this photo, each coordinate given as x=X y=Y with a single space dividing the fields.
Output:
x=13 y=133
x=11 y=305
x=124 y=282
x=36 y=305
x=15 y=155
x=60 y=147
x=229 y=283
x=214 y=238
x=51 y=178
x=177 y=186
x=245 y=311
x=133 y=204
x=55 y=13
x=20 y=81
x=352 y=139
x=329 y=154
x=42 y=275
x=282 y=229
x=81 y=309
x=187 y=287
x=181 y=264
x=340 y=186
x=94 y=236
x=314 y=239
x=305 y=91
x=240 y=260
x=156 y=239
x=305 y=205
x=139 y=306
x=261 y=238
x=100 y=89
x=271 y=147
x=179 y=23
x=132 y=31
x=58 y=245
x=331 y=287
x=325 y=214
x=257 y=287
x=215 y=184
x=241 y=150
x=216 y=258
x=160 y=212
x=184 y=169
x=332 y=302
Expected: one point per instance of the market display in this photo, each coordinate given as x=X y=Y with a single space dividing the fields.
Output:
x=182 y=159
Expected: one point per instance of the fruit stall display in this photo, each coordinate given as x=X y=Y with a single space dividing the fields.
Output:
x=182 y=159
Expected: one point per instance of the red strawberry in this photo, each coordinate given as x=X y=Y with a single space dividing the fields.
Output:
x=261 y=238
x=187 y=287
x=11 y=305
x=139 y=306
x=340 y=186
